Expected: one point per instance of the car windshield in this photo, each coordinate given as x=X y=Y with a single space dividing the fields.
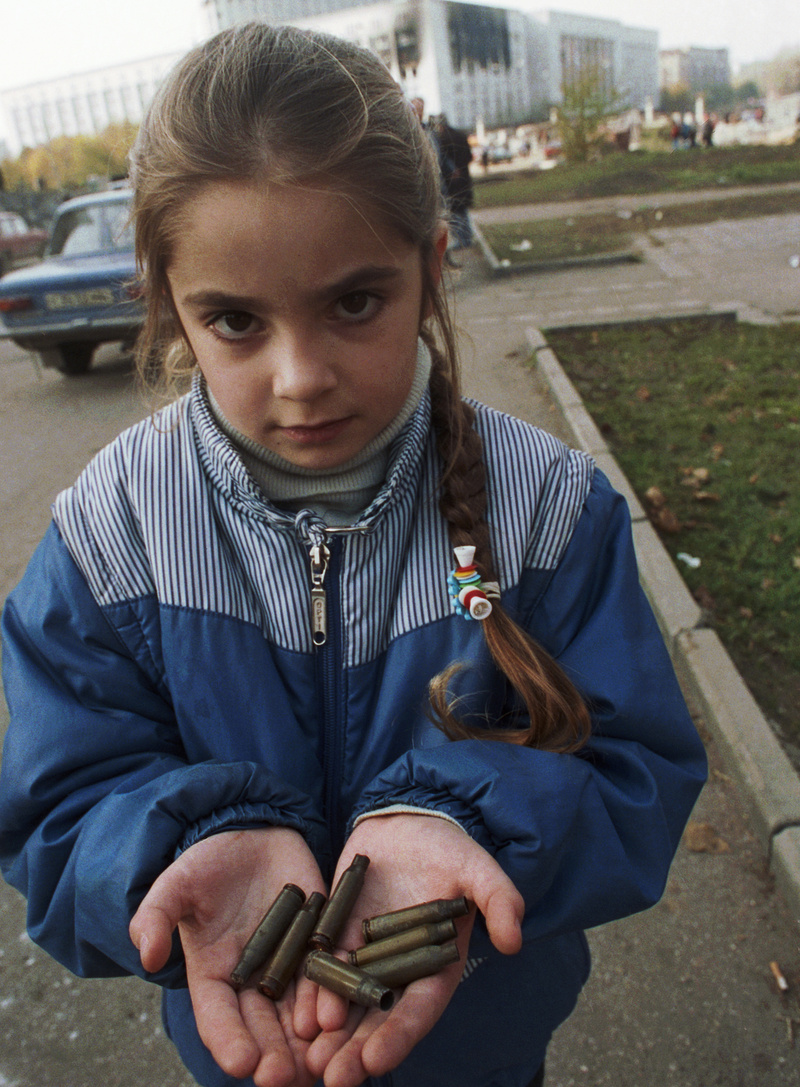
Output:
x=92 y=228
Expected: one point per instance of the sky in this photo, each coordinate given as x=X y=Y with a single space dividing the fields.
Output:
x=46 y=39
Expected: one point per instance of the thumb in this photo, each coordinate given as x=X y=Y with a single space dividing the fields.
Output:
x=501 y=904
x=151 y=931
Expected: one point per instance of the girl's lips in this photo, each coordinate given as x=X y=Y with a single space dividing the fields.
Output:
x=317 y=434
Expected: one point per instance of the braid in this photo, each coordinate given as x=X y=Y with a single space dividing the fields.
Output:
x=558 y=717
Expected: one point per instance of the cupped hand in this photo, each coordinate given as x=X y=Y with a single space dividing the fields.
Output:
x=413 y=858
x=215 y=894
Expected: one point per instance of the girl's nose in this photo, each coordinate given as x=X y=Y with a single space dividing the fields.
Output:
x=301 y=369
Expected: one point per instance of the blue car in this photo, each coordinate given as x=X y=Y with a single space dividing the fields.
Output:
x=84 y=291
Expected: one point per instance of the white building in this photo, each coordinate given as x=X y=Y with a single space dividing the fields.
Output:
x=84 y=103
x=474 y=63
x=469 y=61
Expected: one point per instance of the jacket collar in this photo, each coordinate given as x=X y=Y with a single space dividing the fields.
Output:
x=228 y=474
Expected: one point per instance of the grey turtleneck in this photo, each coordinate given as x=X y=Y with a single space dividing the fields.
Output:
x=337 y=494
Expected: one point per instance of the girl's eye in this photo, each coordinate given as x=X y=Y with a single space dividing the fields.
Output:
x=234 y=326
x=358 y=305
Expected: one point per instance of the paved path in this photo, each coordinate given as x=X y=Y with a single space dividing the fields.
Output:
x=747 y=264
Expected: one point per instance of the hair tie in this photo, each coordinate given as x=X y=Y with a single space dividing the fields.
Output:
x=470 y=596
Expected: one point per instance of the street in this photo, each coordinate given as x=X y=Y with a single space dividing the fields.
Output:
x=57 y=1030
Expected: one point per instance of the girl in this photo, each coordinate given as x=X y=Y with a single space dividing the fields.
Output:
x=238 y=658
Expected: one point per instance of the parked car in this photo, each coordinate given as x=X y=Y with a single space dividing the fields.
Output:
x=84 y=292
x=19 y=243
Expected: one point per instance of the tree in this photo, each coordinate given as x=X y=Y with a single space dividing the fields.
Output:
x=588 y=101
x=677 y=99
x=72 y=162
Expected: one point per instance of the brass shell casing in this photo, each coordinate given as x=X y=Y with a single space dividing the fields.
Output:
x=408 y=940
x=340 y=904
x=349 y=982
x=267 y=934
x=399 y=970
x=388 y=924
x=289 y=953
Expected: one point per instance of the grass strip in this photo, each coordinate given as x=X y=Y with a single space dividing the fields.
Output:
x=592 y=234
x=642 y=172
x=704 y=420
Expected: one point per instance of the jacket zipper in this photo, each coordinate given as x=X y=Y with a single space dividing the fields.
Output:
x=327 y=640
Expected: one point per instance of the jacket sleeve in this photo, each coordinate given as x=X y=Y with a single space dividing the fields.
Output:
x=588 y=837
x=96 y=795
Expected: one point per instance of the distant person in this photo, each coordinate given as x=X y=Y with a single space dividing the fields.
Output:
x=675 y=132
x=708 y=131
x=457 y=157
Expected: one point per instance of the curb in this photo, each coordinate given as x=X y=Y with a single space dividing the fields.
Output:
x=751 y=752
x=498 y=268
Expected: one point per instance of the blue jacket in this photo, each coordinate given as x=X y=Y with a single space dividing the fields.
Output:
x=163 y=683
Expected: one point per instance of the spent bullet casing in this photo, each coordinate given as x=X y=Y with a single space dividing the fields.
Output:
x=289 y=953
x=388 y=924
x=268 y=933
x=399 y=970
x=340 y=904
x=438 y=932
x=348 y=981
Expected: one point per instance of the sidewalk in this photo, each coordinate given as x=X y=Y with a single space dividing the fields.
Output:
x=682 y=996
x=752 y=259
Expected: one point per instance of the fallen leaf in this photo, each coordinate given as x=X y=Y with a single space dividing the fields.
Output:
x=746 y=613
x=703 y=838
x=643 y=394
x=796 y=562
x=775 y=537
x=666 y=520
x=717 y=450
x=768 y=583
x=655 y=497
x=704 y=598
x=706 y=496
x=753 y=478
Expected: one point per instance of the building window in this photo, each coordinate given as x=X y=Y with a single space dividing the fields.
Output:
x=479 y=37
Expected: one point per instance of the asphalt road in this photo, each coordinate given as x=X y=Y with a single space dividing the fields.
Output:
x=682 y=996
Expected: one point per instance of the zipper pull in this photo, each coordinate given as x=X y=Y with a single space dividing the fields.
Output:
x=320 y=557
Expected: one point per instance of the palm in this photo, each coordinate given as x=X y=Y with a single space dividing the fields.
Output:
x=413 y=859
x=216 y=893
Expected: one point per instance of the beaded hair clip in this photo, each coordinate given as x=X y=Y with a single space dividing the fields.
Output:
x=469 y=592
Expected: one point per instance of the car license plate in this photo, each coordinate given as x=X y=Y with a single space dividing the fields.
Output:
x=96 y=296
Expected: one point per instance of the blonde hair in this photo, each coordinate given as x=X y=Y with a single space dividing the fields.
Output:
x=276 y=103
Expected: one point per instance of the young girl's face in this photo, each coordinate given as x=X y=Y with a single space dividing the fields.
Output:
x=303 y=314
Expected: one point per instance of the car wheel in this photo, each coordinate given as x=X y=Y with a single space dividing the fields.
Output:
x=73 y=359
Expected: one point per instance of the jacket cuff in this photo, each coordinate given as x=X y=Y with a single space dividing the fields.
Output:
x=247 y=817
x=406 y=809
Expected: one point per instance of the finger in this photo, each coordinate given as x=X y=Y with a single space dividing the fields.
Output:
x=306 y=1024
x=415 y=1014
x=332 y=1010
x=278 y=1065
x=221 y=1027
x=501 y=904
x=151 y=931
x=329 y=1043
x=503 y=911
